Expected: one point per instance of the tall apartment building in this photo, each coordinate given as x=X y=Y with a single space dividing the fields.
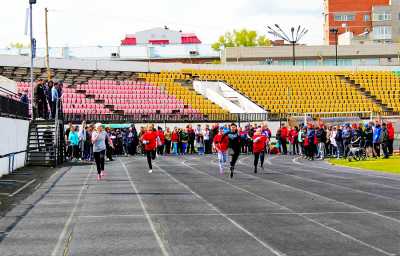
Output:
x=377 y=20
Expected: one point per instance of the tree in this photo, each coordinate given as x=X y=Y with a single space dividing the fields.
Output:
x=17 y=45
x=243 y=37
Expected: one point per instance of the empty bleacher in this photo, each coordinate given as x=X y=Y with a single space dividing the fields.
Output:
x=293 y=92
x=384 y=86
x=167 y=81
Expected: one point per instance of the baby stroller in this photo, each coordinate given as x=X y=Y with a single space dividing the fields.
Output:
x=356 y=151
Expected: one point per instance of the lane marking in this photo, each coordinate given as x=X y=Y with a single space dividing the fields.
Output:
x=333 y=184
x=294 y=160
x=227 y=214
x=264 y=244
x=336 y=176
x=61 y=237
x=159 y=241
x=303 y=216
x=321 y=196
x=22 y=188
x=38 y=185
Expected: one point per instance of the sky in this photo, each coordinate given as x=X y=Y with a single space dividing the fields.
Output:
x=105 y=22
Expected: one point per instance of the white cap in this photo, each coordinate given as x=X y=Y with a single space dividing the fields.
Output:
x=97 y=125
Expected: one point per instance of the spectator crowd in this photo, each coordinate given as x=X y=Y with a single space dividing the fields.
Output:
x=313 y=140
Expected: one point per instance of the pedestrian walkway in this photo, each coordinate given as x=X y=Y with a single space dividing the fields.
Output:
x=186 y=208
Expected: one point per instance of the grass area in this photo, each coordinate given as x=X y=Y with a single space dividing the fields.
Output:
x=391 y=165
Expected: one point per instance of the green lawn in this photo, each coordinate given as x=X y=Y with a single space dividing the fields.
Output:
x=391 y=165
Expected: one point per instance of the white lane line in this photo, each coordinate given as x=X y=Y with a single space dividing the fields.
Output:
x=38 y=185
x=22 y=188
x=62 y=236
x=4 y=194
x=264 y=244
x=336 y=176
x=368 y=173
x=227 y=214
x=54 y=174
x=336 y=185
x=301 y=215
x=294 y=160
x=159 y=241
x=324 y=197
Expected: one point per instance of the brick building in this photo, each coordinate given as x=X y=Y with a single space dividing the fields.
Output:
x=358 y=17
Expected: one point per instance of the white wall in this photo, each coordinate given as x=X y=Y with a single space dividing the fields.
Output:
x=223 y=95
x=14 y=133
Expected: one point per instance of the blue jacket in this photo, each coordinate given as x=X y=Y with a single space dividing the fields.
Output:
x=73 y=138
x=377 y=134
x=310 y=135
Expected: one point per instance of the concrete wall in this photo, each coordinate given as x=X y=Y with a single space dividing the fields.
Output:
x=22 y=61
x=14 y=133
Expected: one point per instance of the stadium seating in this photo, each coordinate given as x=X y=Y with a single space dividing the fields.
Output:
x=293 y=92
x=385 y=86
x=126 y=97
x=166 y=80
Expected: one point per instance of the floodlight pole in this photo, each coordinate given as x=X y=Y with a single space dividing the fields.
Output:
x=294 y=52
x=335 y=31
x=292 y=38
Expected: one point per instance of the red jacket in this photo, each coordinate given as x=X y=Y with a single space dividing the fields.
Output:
x=151 y=138
x=259 y=145
x=293 y=135
x=161 y=135
x=284 y=133
x=221 y=142
x=174 y=137
x=390 y=131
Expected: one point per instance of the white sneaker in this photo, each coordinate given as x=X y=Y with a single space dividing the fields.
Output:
x=150 y=171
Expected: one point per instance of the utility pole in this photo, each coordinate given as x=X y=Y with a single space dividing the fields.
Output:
x=33 y=49
x=47 y=44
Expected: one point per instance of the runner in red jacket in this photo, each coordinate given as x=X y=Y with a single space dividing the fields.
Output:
x=259 y=142
x=221 y=144
x=149 y=139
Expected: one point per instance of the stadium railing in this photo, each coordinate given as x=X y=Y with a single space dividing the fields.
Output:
x=168 y=118
x=11 y=106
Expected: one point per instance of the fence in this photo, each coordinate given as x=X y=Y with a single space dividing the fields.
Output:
x=10 y=107
x=165 y=118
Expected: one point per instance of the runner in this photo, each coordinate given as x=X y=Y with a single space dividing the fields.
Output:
x=234 y=146
x=149 y=140
x=259 y=142
x=99 y=149
x=221 y=144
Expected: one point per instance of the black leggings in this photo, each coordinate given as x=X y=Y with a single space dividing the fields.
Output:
x=234 y=157
x=99 y=158
x=258 y=155
x=151 y=154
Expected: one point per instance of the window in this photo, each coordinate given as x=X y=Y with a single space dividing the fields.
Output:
x=382 y=16
x=382 y=32
x=366 y=17
x=345 y=17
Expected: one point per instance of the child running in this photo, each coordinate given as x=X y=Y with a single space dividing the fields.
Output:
x=259 y=142
x=149 y=140
x=99 y=149
x=221 y=143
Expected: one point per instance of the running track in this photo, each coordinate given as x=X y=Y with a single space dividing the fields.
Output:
x=293 y=207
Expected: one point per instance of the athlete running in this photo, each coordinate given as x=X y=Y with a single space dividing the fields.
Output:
x=259 y=142
x=99 y=149
x=234 y=146
x=221 y=144
x=149 y=140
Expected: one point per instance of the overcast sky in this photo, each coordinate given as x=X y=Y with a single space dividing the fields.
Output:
x=105 y=22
